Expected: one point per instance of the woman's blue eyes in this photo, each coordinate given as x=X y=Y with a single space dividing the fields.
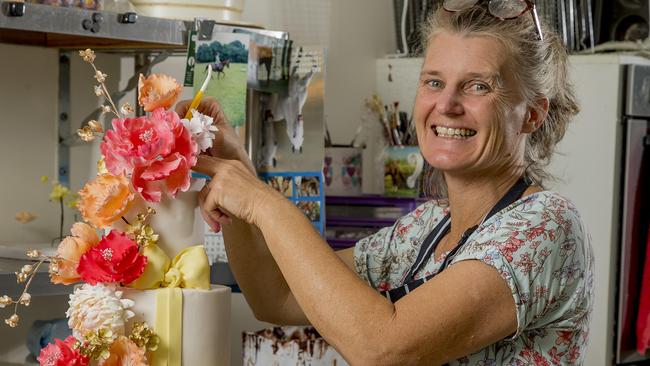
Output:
x=434 y=83
x=471 y=87
x=478 y=88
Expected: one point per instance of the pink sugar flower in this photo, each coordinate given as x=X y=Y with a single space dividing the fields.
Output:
x=169 y=173
x=158 y=151
x=135 y=141
x=62 y=353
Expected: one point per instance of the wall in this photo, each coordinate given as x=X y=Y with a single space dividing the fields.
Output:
x=28 y=130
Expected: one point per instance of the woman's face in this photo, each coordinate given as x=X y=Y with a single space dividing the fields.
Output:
x=463 y=82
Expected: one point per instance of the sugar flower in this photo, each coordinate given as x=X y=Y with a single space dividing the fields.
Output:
x=24 y=217
x=70 y=251
x=86 y=134
x=100 y=76
x=125 y=352
x=126 y=108
x=95 y=126
x=157 y=91
x=201 y=128
x=170 y=172
x=135 y=141
x=12 y=321
x=5 y=300
x=88 y=55
x=98 y=307
x=59 y=192
x=105 y=199
x=116 y=259
x=62 y=353
x=96 y=344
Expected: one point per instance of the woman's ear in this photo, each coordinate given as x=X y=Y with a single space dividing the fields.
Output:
x=536 y=116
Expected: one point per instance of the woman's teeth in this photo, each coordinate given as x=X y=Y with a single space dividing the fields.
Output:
x=457 y=133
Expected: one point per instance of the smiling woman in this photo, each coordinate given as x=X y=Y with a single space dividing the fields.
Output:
x=500 y=273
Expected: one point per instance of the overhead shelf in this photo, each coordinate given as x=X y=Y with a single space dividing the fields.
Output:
x=69 y=27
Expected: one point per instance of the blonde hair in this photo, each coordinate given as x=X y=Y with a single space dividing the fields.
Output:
x=541 y=71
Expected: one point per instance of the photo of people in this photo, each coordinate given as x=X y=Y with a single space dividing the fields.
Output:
x=308 y=186
x=281 y=184
x=311 y=209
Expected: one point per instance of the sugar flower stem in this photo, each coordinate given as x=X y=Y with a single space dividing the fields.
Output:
x=62 y=219
x=107 y=94
x=29 y=281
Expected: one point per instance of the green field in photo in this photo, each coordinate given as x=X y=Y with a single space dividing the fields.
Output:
x=228 y=89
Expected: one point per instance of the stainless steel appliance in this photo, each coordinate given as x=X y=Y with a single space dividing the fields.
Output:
x=635 y=213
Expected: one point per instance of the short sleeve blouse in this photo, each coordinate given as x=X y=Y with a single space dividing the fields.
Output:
x=539 y=246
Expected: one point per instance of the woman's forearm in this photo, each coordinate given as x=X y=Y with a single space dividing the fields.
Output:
x=258 y=275
x=330 y=294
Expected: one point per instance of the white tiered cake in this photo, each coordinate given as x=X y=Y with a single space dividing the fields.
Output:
x=206 y=314
x=146 y=297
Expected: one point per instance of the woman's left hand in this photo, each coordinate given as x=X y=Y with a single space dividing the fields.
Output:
x=233 y=191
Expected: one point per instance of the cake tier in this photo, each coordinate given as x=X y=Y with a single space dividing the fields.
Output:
x=206 y=322
x=177 y=222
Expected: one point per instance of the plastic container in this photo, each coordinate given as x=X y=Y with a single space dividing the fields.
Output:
x=219 y=10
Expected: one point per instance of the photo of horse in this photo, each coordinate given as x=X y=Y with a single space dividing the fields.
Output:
x=268 y=69
x=227 y=55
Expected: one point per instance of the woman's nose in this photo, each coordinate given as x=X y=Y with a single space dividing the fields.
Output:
x=449 y=102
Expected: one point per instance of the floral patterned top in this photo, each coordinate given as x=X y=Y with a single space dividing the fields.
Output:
x=540 y=247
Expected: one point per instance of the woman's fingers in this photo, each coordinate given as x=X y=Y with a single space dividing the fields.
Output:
x=206 y=165
x=233 y=190
x=214 y=224
x=181 y=107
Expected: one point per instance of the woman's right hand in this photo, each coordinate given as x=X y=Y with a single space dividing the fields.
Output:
x=227 y=144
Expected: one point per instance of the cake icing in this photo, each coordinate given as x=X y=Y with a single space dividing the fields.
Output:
x=206 y=322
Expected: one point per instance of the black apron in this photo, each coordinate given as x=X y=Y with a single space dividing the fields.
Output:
x=433 y=239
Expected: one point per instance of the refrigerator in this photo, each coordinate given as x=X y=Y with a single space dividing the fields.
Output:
x=600 y=167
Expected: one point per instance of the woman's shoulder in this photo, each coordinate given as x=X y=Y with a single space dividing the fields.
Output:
x=544 y=219
x=538 y=208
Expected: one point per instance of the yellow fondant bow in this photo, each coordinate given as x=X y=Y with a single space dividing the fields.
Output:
x=188 y=269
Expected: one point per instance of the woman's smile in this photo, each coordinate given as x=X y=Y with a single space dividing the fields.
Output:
x=457 y=133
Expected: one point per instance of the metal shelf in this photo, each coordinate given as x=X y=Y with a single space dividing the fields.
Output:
x=63 y=27
x=40 y=285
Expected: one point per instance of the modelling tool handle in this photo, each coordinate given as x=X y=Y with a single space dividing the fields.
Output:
x=194 y=104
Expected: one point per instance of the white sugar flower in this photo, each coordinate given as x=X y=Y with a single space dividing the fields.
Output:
x=201 y=128
x=97 y=307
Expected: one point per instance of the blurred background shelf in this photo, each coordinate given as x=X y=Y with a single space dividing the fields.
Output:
x=40 y=285
x=350 y=218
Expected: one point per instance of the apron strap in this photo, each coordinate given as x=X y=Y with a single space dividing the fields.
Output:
x=433 y=239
